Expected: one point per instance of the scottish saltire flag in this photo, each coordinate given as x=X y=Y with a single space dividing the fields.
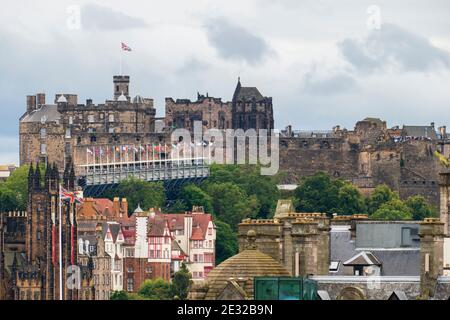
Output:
x=125 y=47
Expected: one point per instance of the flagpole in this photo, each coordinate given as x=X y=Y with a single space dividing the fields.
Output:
x=60 y=247
x=121 y=54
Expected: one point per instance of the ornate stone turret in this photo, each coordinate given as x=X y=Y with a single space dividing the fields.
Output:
x=431 y=255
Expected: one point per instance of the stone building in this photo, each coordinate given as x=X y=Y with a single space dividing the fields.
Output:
x=369 y=155
x=31 y=270
x=64 y=129
x=249 y=109
x=299 y=241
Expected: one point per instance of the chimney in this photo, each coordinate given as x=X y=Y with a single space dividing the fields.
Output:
x=116 y=207
x=31 y=103
x=88 y=102
x=443 y=131
x=431 y=256
x=124 y=207
x=40 y=99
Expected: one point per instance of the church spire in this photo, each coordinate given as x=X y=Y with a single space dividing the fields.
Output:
x=30 y=178
x=237 y=90
x=37 y=178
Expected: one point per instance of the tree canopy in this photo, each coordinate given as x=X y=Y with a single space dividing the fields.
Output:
x=138 y=192
x=394 y=209
x=226 y=241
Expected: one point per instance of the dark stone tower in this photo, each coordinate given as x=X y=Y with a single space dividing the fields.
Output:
x=42 y=240
x=250 y=109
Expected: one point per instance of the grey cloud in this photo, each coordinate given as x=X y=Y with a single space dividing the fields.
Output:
x=95 y=17
x=392 y=47
x=236 y=43
x=332 y=85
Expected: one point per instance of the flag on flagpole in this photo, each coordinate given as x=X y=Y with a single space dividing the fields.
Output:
x=125 y=47
x=67 y=195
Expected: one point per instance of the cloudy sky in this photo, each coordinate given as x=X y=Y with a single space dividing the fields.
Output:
x=324 y=62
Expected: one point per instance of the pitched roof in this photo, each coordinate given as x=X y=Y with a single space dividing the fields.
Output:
x=395 y=261
x=247 y=93
x=364 y=258
x=47 y=112
x=197 y=234
x=176 y=221
x=157 y=225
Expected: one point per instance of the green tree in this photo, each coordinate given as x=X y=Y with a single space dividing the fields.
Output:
x=181 y=282
x=157 y=289
x=231 y=203
x=14 y=191
x=394 y=209
x=193 y=195
x=420 y=208
x=350 y=200
x=381 y=195
x=226 y=241
x=249 y=179
x=119 y=295
x=318 y=193
x=8 y=200
x=138 y=192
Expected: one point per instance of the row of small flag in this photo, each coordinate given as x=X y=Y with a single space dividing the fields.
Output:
x=155 y=148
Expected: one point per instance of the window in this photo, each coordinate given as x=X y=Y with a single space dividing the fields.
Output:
x=130 y=269
x=130 y=284
x=166 y=240
x=130 y=253
x=210 y=231
x=70 y=120
x=406 y=237
x=111 y=118
x=68 y=133
x=195 y=258
x=43 y=148
x=91 y=118
x=334 y=266
x=43 y=133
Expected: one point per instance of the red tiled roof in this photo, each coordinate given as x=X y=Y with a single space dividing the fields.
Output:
x=176 y=221
x=197 y=234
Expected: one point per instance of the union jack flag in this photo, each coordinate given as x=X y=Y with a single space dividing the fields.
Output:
x=67 y=195
x=125 y=47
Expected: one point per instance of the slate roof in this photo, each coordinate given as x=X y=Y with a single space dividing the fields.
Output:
x=247 y=94
x=419 y=131
x=364 y=258
x=394 y=262
x=114 y=229
x=50 y=112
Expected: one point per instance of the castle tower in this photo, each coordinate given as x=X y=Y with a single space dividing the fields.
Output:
x=431 y=255
x=121 y=86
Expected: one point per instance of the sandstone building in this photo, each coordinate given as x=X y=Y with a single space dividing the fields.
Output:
x=249 y=109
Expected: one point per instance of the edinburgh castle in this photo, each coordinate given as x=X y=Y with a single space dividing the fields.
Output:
x=370 y=154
